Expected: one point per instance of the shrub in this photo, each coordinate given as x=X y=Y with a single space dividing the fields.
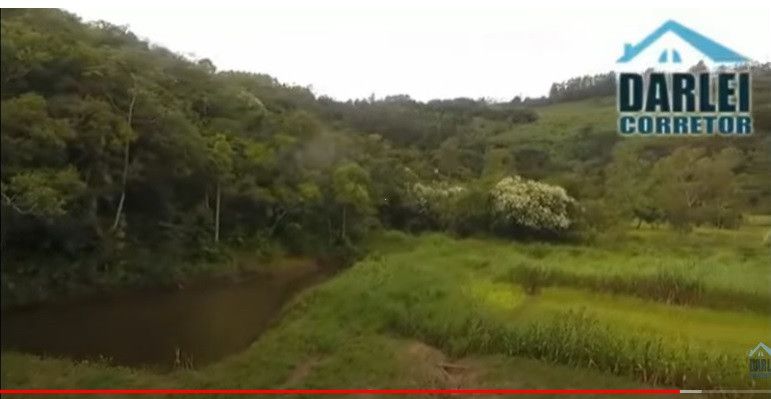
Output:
x=512 y=206
x=430 y=198
x=666 y=285
x=532 y=278
x=521 y=204
x=468 y=211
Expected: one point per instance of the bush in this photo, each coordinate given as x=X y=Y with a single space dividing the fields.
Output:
x=468 y=211
x=597 y=221
x=513 y=206
x=666 y=285
x=532 y=278
x=434 y=201
x=526 y=205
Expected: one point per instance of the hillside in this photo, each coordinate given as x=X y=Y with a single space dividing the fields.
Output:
x=464 y=242
x=116 y=151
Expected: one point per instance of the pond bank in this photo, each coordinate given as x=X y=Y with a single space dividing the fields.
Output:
x=161 y=328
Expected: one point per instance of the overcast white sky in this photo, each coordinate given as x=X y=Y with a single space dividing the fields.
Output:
x=427 y=49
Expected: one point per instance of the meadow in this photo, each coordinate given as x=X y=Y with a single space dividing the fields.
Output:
x=560 y=121
x=648 y=308
x=475 y=242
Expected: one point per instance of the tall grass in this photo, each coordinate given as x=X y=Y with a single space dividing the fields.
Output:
x=671 y=286
x=437 y=312
x=577 y=339
x=449 y=294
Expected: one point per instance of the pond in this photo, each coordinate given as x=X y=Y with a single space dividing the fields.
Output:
x=190 y=327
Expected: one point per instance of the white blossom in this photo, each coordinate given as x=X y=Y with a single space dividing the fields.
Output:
x=428 y=198
x=532 y=204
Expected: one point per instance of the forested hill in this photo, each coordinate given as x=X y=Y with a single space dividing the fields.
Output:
x=118 y=155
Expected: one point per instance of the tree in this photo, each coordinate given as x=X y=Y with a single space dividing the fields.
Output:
x=628 y=186
x=693 y=187
x=526 y=204
x=30 y=135
x=105 y=136
x=351 y=191
x=43 y=193
x=221 y=161
x=126 y=154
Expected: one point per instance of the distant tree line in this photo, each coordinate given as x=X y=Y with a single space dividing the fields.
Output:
x=584 y=87
x=125 y=163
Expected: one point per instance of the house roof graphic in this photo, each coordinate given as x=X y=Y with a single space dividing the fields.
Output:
x=710 y=48
x=760 y=346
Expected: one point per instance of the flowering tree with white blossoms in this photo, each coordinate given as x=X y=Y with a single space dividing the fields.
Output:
x=431 y=198
x=512 y=204
x=434 y=203
x=526 y=203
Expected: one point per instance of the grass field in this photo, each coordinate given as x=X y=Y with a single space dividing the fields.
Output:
x=433 y=311
x=558 y=121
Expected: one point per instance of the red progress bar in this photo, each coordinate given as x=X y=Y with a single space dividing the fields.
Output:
x=339 y=391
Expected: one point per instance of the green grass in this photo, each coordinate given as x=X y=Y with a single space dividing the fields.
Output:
x=418 y=303
x=716 y=268
x=729 y=332
x=561 y=120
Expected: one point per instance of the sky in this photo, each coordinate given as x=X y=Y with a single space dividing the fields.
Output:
x=426 y=49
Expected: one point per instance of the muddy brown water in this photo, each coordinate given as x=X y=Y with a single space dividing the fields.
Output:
x=159 y=329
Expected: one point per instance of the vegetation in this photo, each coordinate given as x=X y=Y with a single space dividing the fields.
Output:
x=116 y=151
x=418 y=306
x=628 y=262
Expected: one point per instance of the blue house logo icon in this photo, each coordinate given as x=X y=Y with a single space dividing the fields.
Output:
x=712 y=50
x=676 y=83
x=760 y=361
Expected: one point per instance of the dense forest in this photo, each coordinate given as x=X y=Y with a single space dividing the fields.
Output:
x=124 y=162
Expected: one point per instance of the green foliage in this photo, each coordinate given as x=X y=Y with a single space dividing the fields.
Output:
x=671 y=286
x=469 y=212
x=30 y=135
x=531 y=278
x=685 y=188
x=694 y=188
x=435 y=292
x=123 y=164
x=43 y=193
x=350 y=184
x=511 y=207
x=111 y=145
x=628 y=185
x=220 y=156
x=433 y=204
x=582 y=87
